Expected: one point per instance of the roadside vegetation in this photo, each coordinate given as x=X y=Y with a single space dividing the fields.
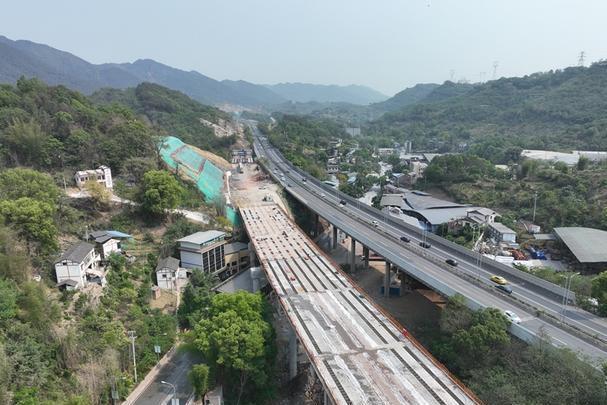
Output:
x=477 y=348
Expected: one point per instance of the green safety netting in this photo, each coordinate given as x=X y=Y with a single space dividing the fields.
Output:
x=207 y=176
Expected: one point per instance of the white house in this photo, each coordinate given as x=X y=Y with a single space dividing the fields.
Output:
x=108 y=242
x=78 y=262
x=101 y=175
x=167 y=273
x=481 y=215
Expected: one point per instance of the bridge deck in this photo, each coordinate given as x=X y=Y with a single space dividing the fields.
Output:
x=360 y=355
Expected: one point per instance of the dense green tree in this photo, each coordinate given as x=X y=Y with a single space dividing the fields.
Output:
x=236 y=339
x=8 y=302
x=488 y=329
x=196 y=299
x=26 y=144
x=100 y=196
x=33 y=220
x=20 y=182
x=599 y=291
x=160 y=191
x=199 y=378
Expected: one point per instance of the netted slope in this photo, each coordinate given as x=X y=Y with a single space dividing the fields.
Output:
x=207 y=176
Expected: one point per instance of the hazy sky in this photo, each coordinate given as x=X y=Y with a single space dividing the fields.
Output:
x=385 y=44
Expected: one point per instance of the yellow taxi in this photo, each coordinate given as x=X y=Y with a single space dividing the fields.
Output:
x=499 y=280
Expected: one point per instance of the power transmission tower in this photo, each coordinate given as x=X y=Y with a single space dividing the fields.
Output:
x=580 y=61
x=451 y=74
x=495 y=65
x=481 y=77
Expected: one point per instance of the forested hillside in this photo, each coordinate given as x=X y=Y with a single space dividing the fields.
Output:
x=563 y=109
x=303 y=140
x=67 y=347
x=52 y=128
x=406 y=97
x=172 y=113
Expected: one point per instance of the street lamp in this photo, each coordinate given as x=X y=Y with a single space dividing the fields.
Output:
x=173 y=387
x=566 y=295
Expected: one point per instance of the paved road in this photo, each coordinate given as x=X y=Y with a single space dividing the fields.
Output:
x=174 y=372
x=191 y=215
x=428 y=265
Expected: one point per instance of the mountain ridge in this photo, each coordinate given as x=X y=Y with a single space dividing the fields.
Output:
x=56 y=67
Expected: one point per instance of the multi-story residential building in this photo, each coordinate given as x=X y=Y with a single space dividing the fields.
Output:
x=204 y=251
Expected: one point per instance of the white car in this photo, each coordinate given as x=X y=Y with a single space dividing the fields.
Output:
x=322 y=195
x=375 y=223
x=512 y=317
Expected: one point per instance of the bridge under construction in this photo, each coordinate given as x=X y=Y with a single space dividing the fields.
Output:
x=360 y=354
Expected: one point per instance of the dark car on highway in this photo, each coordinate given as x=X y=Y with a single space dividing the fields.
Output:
x=405 y=239
x=425 y=245
x=505 y=288
x=451 y=262
x=342 y=202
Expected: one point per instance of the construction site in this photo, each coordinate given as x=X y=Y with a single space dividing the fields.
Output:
x=359 y=353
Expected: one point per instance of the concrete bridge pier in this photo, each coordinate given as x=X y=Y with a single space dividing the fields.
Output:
x=316 y=223
x=334 y=243
x=352 y=254
x=252 y=255
x=366 y=256
x=387 y=279
x=292 y=354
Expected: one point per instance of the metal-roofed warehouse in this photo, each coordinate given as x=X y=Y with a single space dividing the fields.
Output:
x=588 y=245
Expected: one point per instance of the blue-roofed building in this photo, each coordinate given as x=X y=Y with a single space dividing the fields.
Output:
x=108 y=242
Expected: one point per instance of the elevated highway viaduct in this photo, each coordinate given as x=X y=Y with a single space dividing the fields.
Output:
x=538 y=302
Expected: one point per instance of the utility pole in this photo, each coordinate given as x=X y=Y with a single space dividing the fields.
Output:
x=62 y=173
x=495 y=65
x=580 y=61
x=534 y=204
x=132 y=336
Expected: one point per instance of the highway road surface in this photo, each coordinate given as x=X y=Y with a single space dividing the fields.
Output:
x=428 y=265
x=174 y=372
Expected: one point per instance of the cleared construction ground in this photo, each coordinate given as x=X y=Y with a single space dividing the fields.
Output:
x=360 y=355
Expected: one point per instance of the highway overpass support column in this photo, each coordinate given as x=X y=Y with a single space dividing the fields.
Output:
x=316 y=225
x=292 y=354
x=387 y=280
x=334 y=245
x=352 y=254
x=252 y=255
x=366 y=256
